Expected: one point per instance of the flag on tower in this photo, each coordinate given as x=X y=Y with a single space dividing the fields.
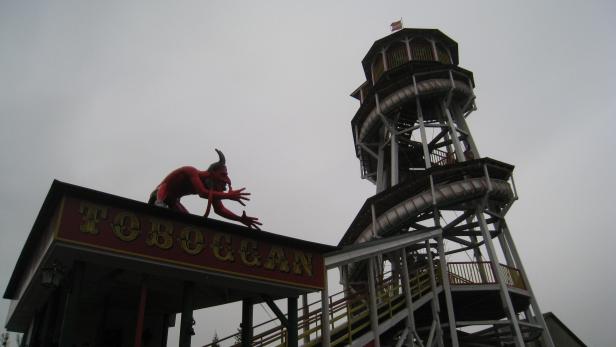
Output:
x=397 y=25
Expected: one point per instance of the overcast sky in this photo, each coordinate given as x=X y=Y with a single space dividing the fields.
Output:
x=112 y=95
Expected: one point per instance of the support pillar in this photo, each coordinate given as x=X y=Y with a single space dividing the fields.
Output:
x=247 y=314
x=464 y=126
x=547 y=339
x=325 y=329
x=306 y=320
x=447 y=291
x=292 y=340
x=504 y=292
x=143 y=296
x=506 y=251
x=410 y=318
x=71 y=307
x=435 y=305
x=374 y=318
x=381 y=180
x=393 y=143
x=477 y=253
x=455 y=135
x=186 y=322
x=422 y=129
x=396 y=270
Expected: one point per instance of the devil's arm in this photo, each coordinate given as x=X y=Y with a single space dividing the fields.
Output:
x=220 y=209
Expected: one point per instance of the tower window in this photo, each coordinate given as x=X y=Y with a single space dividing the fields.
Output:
x=377 y=68
x=396 y=55
x=443 y=55
x=421 y=49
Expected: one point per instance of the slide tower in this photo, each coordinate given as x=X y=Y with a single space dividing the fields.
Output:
x=413 y=142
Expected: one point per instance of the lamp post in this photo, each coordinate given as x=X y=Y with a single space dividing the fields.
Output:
x=52 y=275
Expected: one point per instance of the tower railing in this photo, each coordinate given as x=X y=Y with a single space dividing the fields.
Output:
x=469 y=273
x=442 y=158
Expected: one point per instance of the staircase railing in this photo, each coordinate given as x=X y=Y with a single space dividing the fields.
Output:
x=440 y=158
x=349 y=313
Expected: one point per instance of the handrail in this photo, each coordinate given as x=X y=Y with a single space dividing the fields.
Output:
x=349 y=312
x=442 y=158
x=463 y=273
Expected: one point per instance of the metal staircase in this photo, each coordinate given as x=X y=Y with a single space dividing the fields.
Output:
x=348 y=311
x=350 y=322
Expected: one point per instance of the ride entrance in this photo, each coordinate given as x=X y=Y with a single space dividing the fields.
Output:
x=101 y=270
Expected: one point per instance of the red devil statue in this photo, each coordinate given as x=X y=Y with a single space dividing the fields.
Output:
x=210 y=184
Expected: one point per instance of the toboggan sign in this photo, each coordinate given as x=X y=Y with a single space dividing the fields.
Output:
x=166 y=240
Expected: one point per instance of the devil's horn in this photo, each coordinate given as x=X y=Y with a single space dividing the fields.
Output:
x=221 y=157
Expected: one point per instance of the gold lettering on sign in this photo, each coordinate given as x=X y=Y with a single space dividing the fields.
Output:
x=126 y=226
x=277 y=259
x=91 y=215
x=302 y=263
x=191 y=240
x=160 y=234
x=249 y=254
x=221 y=247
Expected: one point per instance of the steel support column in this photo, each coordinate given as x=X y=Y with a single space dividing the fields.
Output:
x=374 y=318
x=477 y=252
x=455 y=136
x=504 y=292
x=393 y=143
x=461 y=121
x=447 y=291
x=435 y=304
x=325 y=329
x=410 y=318
x=422 y=128
x=533 y=301
x=381 y=180
x=506 y=250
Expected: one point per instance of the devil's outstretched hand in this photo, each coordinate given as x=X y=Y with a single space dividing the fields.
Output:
x=251 y=222
x=238 y=195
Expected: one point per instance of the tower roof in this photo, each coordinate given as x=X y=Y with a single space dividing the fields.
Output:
x=409 y=32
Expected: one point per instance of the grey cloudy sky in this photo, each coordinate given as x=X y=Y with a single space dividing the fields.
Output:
x=112 y=95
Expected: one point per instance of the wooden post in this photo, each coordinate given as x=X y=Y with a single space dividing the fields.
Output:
x=247 y=333
x=292 y=321
x=187 y=314
x=306 y=322
x=141 y=313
